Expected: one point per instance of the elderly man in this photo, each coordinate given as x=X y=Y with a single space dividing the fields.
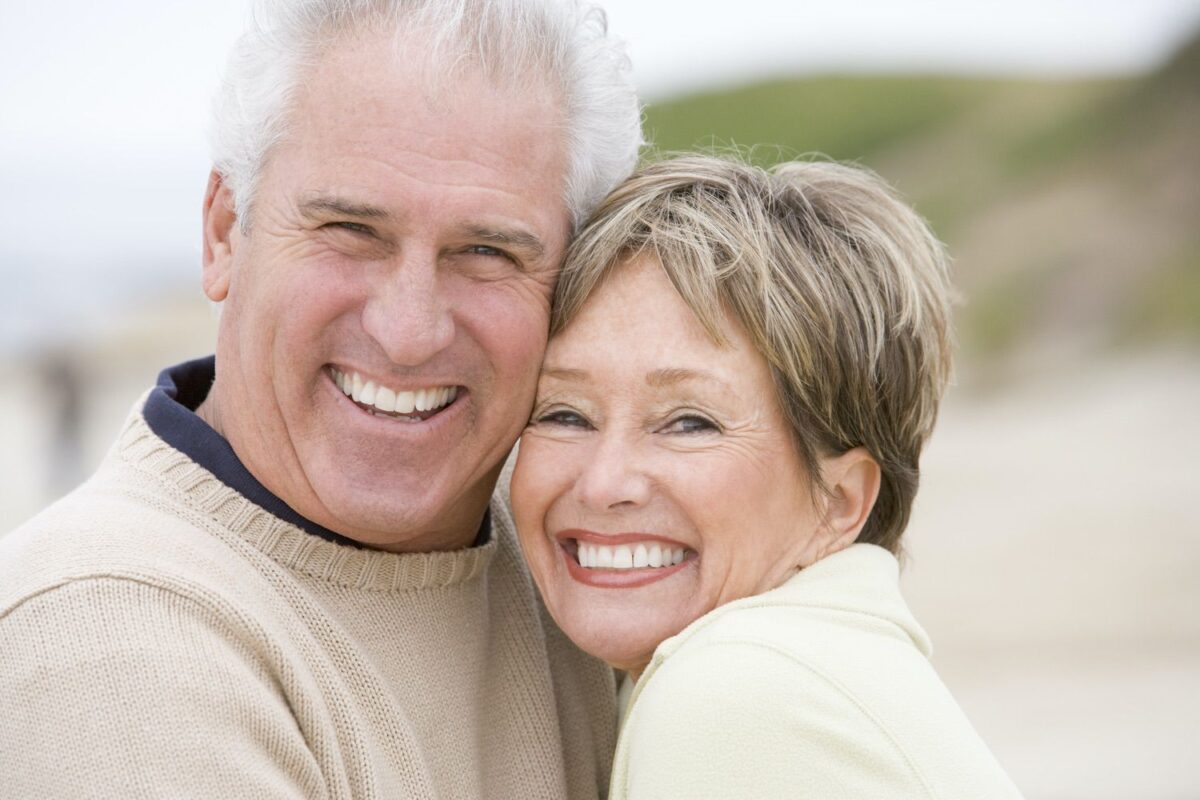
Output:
x=289 y=577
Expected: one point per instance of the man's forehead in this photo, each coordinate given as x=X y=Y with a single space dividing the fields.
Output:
x=368 y=143
x=389 y=112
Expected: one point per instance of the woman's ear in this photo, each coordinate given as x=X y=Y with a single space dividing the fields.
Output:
x=853 y=482
x=220 y=226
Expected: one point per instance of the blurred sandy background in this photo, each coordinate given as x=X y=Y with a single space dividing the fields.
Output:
x=1055 y=551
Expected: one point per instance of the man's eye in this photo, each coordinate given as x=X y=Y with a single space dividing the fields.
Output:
x=485 y=250
x=353 y=227
x=691 y=423
x=563 y=418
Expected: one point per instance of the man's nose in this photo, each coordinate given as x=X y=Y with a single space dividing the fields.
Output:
x=407 y=311
x=615 y=476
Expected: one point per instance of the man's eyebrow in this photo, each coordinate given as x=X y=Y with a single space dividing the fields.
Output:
x=530 y=245
x=325 y=205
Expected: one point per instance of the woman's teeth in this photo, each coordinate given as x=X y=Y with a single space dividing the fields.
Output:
x=392 y=401
x=624 y=556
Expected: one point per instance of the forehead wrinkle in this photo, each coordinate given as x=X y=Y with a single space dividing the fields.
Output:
x=427 y=152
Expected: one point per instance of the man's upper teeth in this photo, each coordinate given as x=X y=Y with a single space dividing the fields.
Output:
x=625 y=556
x=391 y=400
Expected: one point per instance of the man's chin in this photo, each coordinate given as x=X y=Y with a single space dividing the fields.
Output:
x=400 y=515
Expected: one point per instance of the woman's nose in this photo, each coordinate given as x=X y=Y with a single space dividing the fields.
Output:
x=614 y=476
x=407 y=313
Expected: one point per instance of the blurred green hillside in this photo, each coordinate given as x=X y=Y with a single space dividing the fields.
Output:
x=1071 y=207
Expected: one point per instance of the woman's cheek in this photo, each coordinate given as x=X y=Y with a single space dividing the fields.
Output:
x=537 y=480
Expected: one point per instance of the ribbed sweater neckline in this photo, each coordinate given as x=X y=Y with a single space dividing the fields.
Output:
x=287 y=544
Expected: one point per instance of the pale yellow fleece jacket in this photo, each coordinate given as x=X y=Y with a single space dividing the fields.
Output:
x=162 y=636
x=821 y=689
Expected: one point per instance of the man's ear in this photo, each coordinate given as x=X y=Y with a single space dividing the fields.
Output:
x=853 y=482
x=220 y=227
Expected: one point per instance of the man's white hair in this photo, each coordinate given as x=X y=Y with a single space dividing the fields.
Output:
x=563 y=43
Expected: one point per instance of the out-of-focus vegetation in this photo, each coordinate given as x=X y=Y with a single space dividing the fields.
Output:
x=1071 y=207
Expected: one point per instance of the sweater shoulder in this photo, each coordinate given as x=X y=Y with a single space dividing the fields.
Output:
x=122 y=526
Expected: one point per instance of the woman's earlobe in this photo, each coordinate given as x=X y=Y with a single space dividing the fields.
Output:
x=853 y=480
x=220 y=224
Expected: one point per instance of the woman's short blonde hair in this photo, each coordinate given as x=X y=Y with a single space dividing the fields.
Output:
x=840 y=285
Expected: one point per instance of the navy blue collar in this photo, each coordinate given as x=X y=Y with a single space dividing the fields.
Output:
x=170 y=413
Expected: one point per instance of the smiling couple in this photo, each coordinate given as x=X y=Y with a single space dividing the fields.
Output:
x=294 y=576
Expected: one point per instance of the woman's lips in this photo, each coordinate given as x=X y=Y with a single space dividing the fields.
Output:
x=625 y=560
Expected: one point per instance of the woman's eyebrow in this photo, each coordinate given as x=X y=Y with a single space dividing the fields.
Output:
x=670 y=376
x=659 y=378
x=564 y=373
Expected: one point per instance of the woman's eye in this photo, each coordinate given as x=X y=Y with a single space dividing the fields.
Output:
x=691 y=423
x=563 y=418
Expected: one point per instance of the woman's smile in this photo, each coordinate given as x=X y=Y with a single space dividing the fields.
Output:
x=624 y=560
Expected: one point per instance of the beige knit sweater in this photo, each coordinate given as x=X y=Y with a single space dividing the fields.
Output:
x=162 y=636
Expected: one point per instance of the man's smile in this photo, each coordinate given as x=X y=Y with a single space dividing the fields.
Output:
x=408 y=405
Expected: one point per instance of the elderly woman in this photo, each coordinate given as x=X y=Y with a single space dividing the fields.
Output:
x=719 y=467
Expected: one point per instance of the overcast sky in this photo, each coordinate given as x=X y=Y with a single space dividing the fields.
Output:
x=103 y=105
x=141 y=71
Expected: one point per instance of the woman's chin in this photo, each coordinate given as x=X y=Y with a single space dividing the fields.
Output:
x=619 y=617
x=629 y=656
x=625 y=641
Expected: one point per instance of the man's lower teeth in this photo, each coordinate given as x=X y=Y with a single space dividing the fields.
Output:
x=398 y=417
